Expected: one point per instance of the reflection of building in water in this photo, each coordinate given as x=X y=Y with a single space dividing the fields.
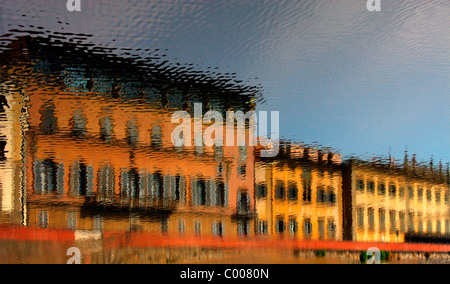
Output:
x=299 y=195
x=382 y=204
x=11 y=140
x=96 y=154
x=131 y=163
x=100 y=154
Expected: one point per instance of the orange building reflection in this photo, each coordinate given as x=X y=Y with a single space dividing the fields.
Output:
x=99 y=156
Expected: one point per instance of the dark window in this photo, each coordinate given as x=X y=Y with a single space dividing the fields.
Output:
x=402 y=222
x=79 y=122
x=263 y=228
x=72 y=221
x=393 y=219
x=293 y=226
x=79 y=181
x=156 y=136
x=106 y=129
x=293 y=191
x=261 y=191
x=371 y=187
x=438 y=197
x=242 y=153
x=281 y=226
x=221 y=194
x=411 y=192
x=201 y=193
x=331 y=229
x=411 y=222
x=321 y=224
x=242 y=170
x=181 y=227
x=3 y=144
x=164 y=226
x=382 y=220
x=132 y=134
x=402 y=192
x=321 y=198
x=393 y=190
x=49 y=122
x=49 y=173
x=360 y=185
x=243 y=203
x=429 y=227
x=307 y=191
x=43 y=220
x=371 y=215
x=130 y=182
x=307 y=228
x=381 y=189
x=243 y=227
x=280 y=191
x=177 y=192
x=218 y=151
x=331 y=197
x=420 y=193
x=198 y=228
x=134 y=183
x=106 y=182
x=360 y=218
x=98 y=223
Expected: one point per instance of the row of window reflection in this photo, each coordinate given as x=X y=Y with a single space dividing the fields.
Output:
x=49 y=125
x=326 y=229
x=218 y=227
x=398 y=222
x=49 y=177
x=291 y=193
x=43 y=221
x=394 y=192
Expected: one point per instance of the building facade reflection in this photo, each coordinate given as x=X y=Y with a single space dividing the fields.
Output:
x=299 y=197
x=383 y=204
x=85 y=146
x=11 y=162
x=100 y=155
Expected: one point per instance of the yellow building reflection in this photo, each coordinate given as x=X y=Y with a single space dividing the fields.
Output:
x=384 y=205
x=11 y=155
x=299 y=197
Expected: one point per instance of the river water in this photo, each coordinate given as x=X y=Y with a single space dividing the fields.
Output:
x=95 y=155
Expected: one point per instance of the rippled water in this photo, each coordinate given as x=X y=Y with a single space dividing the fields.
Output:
x=87 y=157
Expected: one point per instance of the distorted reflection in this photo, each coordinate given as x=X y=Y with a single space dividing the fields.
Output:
x=90 y=152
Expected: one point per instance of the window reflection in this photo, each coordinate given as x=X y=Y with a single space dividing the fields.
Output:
x=49 y=122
